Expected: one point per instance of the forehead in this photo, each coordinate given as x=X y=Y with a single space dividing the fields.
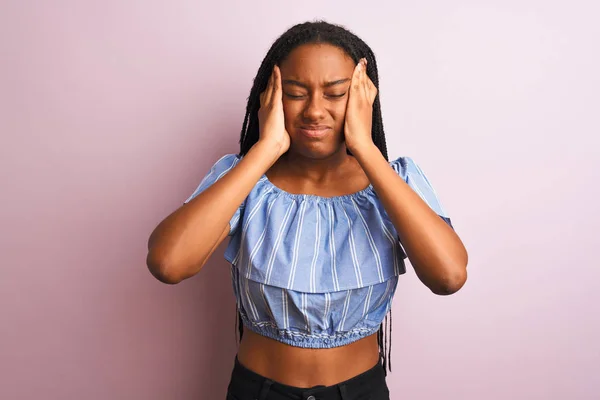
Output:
x=317 y=62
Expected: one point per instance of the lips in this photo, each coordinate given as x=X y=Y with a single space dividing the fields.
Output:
x=314 y=131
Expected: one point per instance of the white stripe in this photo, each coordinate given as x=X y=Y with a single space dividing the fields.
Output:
x=277 y=242
x=345 y=313
x=235 y=162
x=286 y=322
x=234 y=222
x=247 y=224
x=353 y=252
x=420 y=171
x=222 y=174
x=214 y=169
x=367 y=301
x=260 y=240
x=434 y=201
x=296 y=245
x=250 y=302
x=371 y=242
x=315 y=335
x=304 y=312
x=267 y=305
x=385 y=294
x=325 y=316
x=336 y=283
x=313 y=282
x=393 y=241
x=416 y=188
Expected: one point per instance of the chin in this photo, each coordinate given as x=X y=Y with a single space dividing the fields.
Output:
x=317 y=151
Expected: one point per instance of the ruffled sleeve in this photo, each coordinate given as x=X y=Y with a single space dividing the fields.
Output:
x=217 y=171
x=414 y=176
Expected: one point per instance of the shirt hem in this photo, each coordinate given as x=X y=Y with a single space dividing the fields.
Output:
x=308 y=340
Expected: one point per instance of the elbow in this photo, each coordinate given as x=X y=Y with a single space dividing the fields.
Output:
x=160 y=269
x=450 y=283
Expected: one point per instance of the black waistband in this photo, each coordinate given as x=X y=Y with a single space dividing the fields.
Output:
x=243 y=379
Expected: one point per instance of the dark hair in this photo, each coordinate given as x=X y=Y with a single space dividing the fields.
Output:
x=356 y=48
x=305 y=33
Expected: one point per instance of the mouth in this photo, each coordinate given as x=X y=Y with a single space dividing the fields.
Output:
x=314 y=131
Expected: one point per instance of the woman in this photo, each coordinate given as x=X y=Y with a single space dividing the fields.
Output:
x=320 y=224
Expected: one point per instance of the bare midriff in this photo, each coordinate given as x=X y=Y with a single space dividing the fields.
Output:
x=302 y=367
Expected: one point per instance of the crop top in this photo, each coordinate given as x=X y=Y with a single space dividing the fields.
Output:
x=311 y=271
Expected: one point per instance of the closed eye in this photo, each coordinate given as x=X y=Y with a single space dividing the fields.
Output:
x=300 y=96
x=294 y=96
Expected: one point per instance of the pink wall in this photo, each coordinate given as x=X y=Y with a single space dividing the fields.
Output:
x=112 y=111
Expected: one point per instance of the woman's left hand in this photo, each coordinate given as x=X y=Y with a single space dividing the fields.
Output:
x=359 y=110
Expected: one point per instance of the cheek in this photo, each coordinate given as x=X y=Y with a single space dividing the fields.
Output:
x=339 y=111
x=290 y=111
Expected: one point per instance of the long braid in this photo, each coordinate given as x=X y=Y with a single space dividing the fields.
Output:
x=354 y=47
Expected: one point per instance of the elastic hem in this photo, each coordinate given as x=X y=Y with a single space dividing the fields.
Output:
x=307 y=340
x=367 y=191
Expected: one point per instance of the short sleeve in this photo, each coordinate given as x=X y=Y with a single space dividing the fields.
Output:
x=217 y=171
x=414 y=176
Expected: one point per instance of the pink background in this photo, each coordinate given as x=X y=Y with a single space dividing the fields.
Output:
x=111 y=112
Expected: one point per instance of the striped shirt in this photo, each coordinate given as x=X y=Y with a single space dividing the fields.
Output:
x=311 y=271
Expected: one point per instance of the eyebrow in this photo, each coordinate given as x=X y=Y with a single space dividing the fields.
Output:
x=304 y=85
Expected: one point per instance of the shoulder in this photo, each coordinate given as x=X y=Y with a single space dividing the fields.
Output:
x=216 y=172
x=415 y=177
x=224 y=164
x=228 y=160
x=406 y=166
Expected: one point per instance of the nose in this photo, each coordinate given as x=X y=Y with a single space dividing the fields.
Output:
x=314 y=109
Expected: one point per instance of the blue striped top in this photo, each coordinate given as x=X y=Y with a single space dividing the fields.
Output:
x=311 y=271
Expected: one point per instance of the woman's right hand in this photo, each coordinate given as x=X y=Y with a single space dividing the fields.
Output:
x=271 y=120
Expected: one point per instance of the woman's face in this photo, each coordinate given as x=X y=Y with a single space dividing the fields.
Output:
x=316 y=80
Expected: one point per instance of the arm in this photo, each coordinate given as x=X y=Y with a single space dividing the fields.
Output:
x=433 y=248
x=182 y=243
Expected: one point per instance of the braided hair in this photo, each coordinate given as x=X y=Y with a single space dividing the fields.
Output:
x=314 y=33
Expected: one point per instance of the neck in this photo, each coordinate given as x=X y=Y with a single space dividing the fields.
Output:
x=316 y=169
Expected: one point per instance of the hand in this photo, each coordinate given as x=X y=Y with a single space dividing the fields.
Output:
x=271 y=120
x=359 y=110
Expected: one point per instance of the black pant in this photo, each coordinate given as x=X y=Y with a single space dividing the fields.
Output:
x=248 y=385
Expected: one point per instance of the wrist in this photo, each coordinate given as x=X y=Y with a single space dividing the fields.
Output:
x=268 y=149
x=364 y=147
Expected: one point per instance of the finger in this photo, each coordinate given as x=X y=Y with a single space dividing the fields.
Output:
x=266 y=94
x=269 y=91
x=365 y=79
x=355 y=83
x=276 y=93
x=370 y=89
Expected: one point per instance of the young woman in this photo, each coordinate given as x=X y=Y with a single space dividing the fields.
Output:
x=320 y=223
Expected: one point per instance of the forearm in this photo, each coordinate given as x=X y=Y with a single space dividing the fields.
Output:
x=182 y=243
x=434 y=249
